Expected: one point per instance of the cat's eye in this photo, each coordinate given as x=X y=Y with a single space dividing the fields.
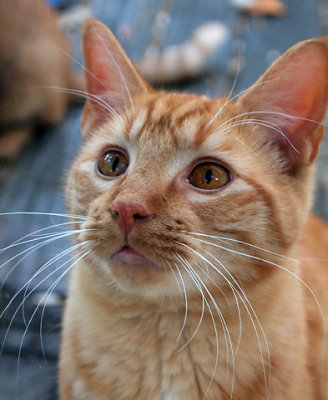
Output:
x=209 y=176
x=113 y=163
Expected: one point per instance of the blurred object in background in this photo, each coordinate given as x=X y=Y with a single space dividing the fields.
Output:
x=272 y=8
x=57 y=3
x=62 y=4
x=73 y=18
x=34 y=58
x=183 y=61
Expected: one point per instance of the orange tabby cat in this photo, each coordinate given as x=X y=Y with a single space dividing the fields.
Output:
x=189 y=279
x=33 y=53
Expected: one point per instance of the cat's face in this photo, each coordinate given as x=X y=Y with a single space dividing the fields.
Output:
x=175 y=186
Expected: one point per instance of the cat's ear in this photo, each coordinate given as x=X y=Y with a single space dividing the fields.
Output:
x=292 y=98
x=111 y=78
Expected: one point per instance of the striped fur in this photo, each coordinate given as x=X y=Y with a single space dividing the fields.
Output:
x=216 y=309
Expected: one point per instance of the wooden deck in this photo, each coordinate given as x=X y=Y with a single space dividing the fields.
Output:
x=37 y=181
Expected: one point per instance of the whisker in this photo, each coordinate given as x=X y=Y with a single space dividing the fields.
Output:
x=226 y=331
x=199 y=322
x=223 y=238
x=30 y=293
x=32 y=249
x=257 y=112
x=39 y=237
x=43 y=213
x=246 y=308
x=48 y=294
x=289 y=272
x=51 y=289
x=186 y=304
x=195 y=278
x=273 y=264
x=266 y=379
x=40 y=270
x=281 y=114
x=259 y=122
x=86 y=95
x=228 y=100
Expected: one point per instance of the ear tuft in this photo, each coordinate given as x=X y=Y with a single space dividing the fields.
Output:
x=292 y=96
x=111 y=78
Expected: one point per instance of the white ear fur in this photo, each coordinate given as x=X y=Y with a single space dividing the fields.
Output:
x=111 y=78
x=293 y=95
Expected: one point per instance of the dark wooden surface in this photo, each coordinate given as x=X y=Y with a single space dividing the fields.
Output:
x=37 y=181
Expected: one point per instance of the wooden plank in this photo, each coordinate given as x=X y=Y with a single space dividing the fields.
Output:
x=266 y=38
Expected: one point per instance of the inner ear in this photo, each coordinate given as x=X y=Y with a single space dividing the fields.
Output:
x=111 y=78
x=292 y=98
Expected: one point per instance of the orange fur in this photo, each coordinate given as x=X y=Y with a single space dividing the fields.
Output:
x=126 y=333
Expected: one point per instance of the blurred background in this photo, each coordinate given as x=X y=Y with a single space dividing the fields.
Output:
x=236 y=41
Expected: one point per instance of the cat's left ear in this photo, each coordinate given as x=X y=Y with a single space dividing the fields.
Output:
x=292 y=98
x=111 y=78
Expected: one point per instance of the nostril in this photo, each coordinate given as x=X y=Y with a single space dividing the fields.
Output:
x=138 y=216
x=114 y=213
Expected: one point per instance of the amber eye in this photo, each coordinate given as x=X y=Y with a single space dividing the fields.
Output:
x=113 y=163
x=209 y=176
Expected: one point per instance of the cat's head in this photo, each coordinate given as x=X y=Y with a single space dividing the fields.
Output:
x=178 y=188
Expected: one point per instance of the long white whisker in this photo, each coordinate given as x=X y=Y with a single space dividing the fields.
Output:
x=45 y=236
x=234 y=291
x=30 y=293
x=41 y=269
x=48 y=294
x=32 y=249
x=247 y=307
x=290 y=116
x=51 y=238
x=289 y=272
x=52 y=287
x=43 y=213
x=195 y=278
x=97 y=99
x=20 y=240
x=225 y=328
x=266 y=124
x=273 y=264
x=186 y=303
x=227 y=101
x=197 y=327
x=223 y=238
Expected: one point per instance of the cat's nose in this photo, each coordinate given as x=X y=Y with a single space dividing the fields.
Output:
x=127 y=212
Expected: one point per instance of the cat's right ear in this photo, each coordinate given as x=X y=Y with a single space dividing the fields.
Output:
x=111 y=78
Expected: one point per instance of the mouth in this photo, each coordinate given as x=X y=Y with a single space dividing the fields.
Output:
x=128 y=256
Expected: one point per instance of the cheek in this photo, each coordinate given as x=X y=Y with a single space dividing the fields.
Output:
x=83 y=187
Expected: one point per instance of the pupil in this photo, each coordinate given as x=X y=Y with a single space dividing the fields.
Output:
x=115 y=163
x=208 y=176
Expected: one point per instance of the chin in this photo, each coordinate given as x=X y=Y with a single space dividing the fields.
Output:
x=141 y=277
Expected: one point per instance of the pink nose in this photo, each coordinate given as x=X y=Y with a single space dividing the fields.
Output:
x=128 y=212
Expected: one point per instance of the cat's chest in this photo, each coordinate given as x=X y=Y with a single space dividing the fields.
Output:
x=133 y=357
x=171 y=395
